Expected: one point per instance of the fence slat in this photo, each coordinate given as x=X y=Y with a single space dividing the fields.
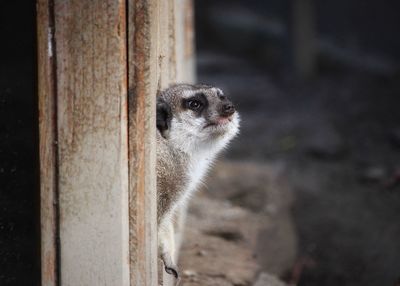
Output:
x=143 y=78
x=47 y=140
x=90 y=43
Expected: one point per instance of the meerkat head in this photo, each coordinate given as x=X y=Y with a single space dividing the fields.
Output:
x=196 y=116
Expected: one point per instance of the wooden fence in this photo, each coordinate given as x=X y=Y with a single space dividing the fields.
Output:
x=100 y=66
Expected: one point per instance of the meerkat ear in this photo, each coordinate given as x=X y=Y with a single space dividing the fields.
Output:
x=164 y=116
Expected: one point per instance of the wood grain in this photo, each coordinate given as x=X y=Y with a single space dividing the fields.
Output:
x=143 y=77
x=189 y=65
x=90 y=38
x=182 y=64
x=47 y=144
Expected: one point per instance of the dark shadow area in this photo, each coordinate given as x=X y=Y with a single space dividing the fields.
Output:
x=336 y=128
x=19 y=183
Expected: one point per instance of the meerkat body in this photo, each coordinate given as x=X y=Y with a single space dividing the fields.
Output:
x=194 y=122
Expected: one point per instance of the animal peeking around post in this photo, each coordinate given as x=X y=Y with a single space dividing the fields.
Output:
x=194 y=123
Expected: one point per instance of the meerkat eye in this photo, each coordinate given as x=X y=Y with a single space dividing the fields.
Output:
x=194 y=104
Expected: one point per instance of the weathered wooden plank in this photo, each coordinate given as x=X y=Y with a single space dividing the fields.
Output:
x=182 y=65
x=164 y=45
x=90 y=40
x=179 y=50
x=47 y=144
x=172 y=58
x=189 y=42
x=143 y=81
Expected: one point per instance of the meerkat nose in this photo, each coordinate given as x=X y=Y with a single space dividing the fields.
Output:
x=227 y=109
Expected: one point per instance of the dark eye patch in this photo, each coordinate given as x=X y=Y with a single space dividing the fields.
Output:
x=199 y=99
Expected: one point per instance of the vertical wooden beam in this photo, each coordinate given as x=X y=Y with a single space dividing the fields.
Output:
x=91 y=75
x=143 y=81
x=179 y=47
x=164 y=44
x=182 y=41
x=83 y=142
x=47 y=144
x=189 y=42
x=172 y=57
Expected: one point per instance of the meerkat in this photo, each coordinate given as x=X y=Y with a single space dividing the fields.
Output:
x=194 y=123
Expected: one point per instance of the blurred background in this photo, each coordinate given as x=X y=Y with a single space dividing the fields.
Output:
x=309 y=192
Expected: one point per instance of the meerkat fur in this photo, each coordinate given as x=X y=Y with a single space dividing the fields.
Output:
x=194 y=123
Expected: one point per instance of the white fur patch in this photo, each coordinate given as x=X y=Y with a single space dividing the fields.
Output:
x=202 y=147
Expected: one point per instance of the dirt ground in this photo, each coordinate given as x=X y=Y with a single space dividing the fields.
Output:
x=239 y=225
x=336 y=140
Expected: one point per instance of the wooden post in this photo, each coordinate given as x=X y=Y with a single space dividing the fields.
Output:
x=100 y=66
x=84 y=142
x=182 y=41
x=143 y=77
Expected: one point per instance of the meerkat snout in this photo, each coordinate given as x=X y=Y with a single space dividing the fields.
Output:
x=227 y=109
x=194 y=123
